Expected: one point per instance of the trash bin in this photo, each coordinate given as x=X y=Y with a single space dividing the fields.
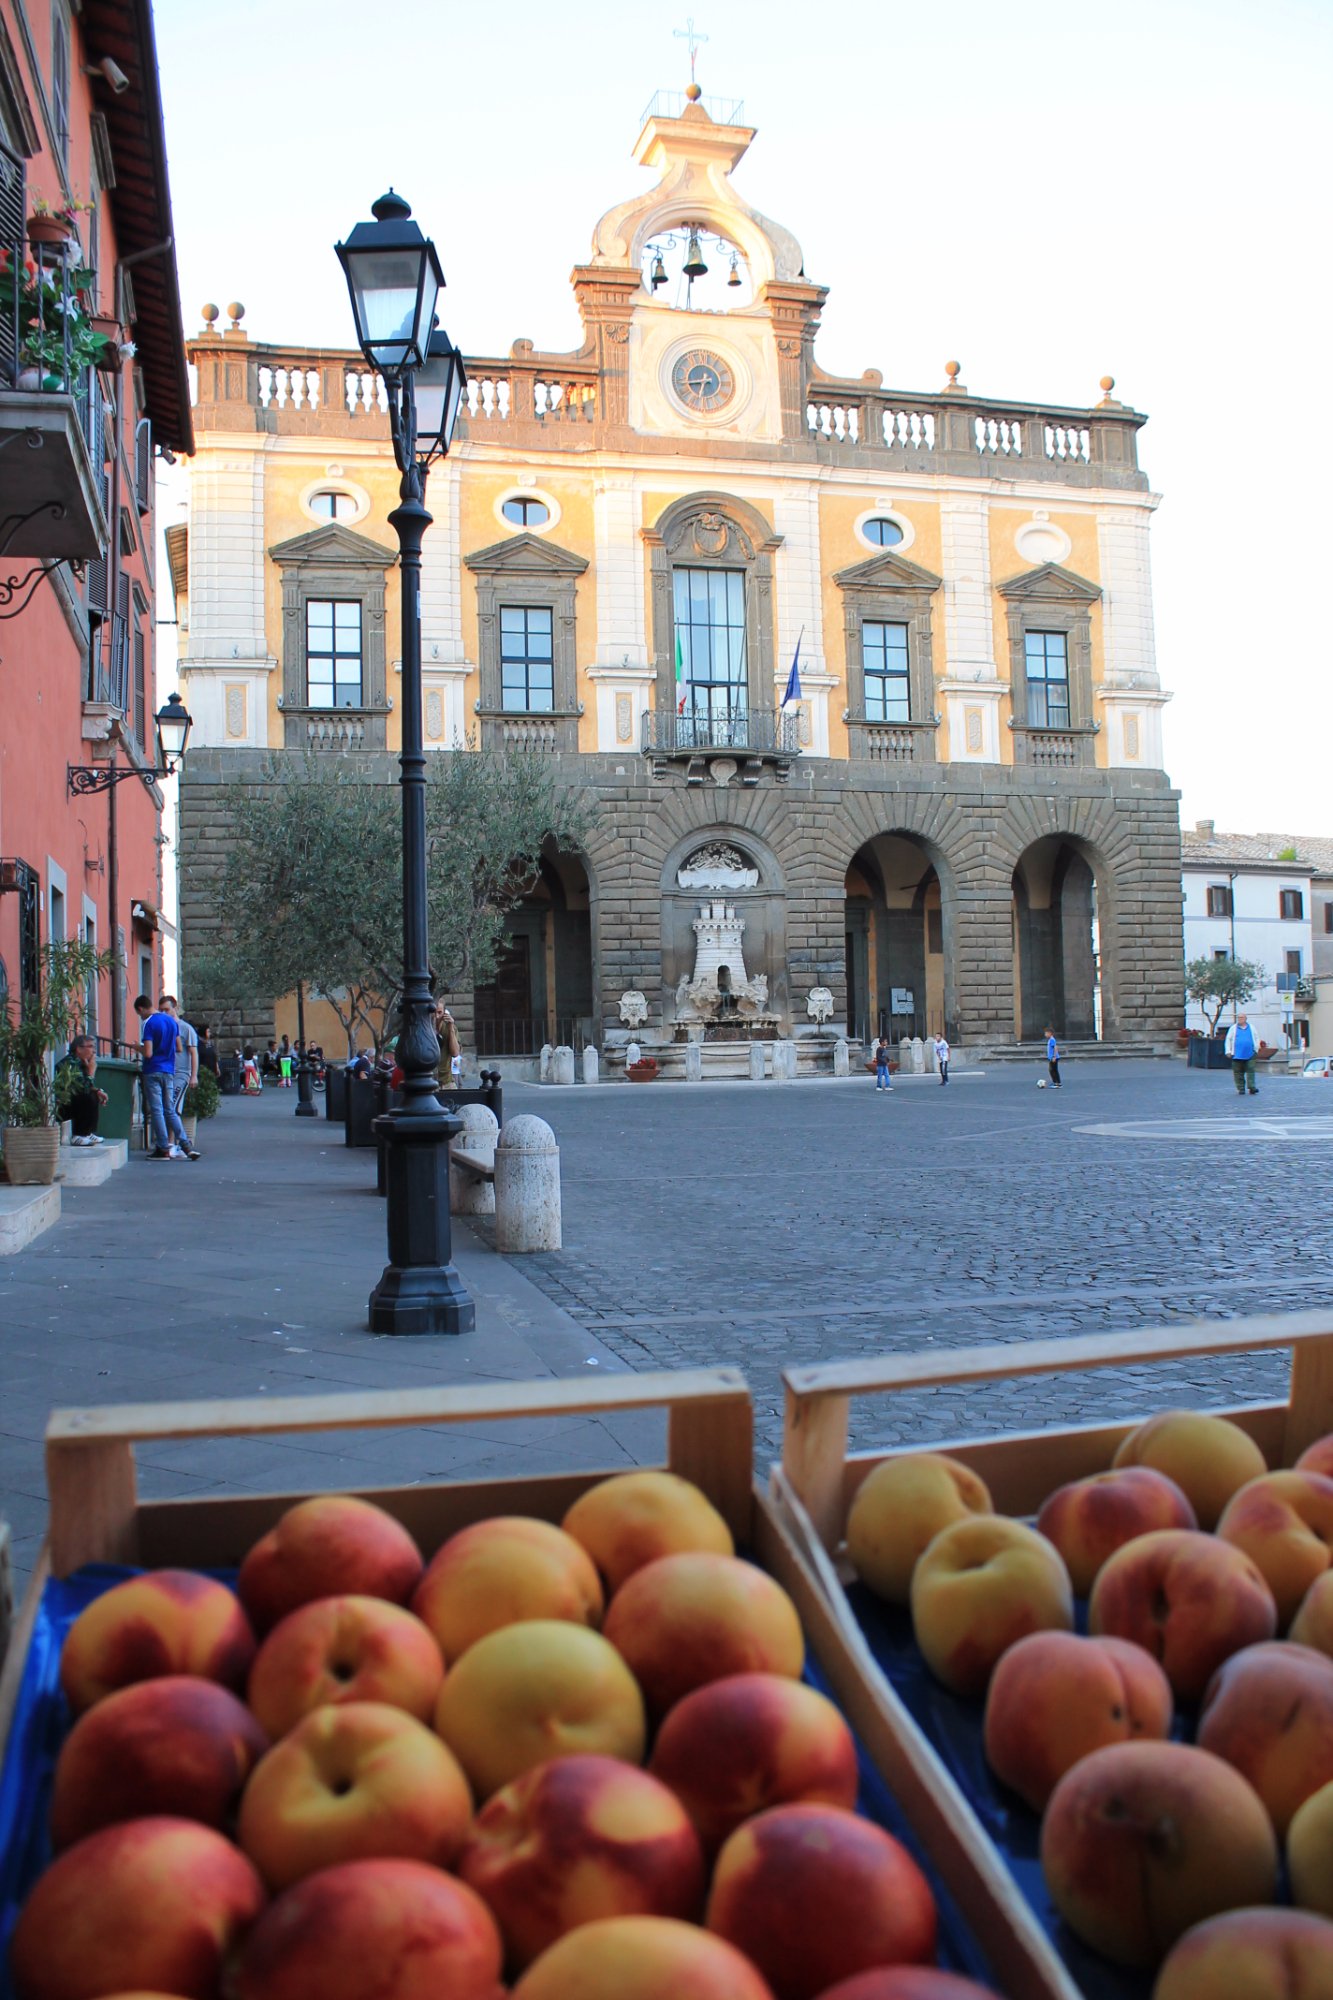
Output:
x=229 y=1076
x=362 y=1110
x=335 y=1092
x=116 y=1075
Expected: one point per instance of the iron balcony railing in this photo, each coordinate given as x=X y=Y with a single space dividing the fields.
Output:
x=748 y=732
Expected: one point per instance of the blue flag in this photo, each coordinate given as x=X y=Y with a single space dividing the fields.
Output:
x=794 y=677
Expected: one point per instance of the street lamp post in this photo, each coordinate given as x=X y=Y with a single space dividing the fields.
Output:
x=394 y=276
x=305 y=1083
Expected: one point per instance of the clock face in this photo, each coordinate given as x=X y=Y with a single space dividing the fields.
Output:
x=702 y=381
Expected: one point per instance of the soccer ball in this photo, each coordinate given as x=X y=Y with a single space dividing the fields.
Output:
x=1041 y=1083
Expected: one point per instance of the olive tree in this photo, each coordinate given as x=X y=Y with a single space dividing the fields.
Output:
x=1218 y=983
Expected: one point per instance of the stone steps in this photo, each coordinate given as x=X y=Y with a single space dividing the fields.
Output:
x=24 y=1213
x=90 y=1166
x=1027 y=1052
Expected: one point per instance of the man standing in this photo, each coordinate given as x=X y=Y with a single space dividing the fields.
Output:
x=187 y=1056
x=1242 y=1048
x=83 y=1101
x=160 y=1036
x=942 y=1056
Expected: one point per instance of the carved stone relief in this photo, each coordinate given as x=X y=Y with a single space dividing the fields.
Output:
x=975 y=727
x=717 y=866
x=633 y=1007
x=434 y=714
x=235 y=699
x=819 y=1006
x=624 y=719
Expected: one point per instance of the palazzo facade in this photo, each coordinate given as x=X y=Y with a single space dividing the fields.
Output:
x=960 y=821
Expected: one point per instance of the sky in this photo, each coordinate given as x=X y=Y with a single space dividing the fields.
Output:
x=1046 y=192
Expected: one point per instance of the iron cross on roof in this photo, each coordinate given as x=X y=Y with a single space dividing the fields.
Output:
x=689 y=34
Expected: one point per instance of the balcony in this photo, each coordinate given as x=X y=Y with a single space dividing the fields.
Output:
x=513 y=729
x=891 y=742
x=1054 y=749
x=52 y=446
x=719 y=746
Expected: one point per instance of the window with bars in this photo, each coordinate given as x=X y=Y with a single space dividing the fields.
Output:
x=1219 y=899
x=1290 y=903
x=333 y=660
x=886 y=665
x=527 y=659
x=711 y=670
x=1046 y=667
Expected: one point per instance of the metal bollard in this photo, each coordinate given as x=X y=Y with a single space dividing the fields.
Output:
x=527 y=1187
x=481 y=1129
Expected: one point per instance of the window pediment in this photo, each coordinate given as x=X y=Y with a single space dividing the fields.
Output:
x=1049 y=584
x=887 y=572
x=333 y=545
x=712 y=527
x=526 y=555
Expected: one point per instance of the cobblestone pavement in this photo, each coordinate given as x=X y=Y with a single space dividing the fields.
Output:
x=820 y=1221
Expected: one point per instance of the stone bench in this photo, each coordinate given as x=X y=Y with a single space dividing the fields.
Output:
x=469 y=1163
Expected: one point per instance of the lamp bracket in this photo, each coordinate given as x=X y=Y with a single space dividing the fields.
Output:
x=85 y=779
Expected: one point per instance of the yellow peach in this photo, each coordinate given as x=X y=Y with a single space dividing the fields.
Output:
x=899 y=1509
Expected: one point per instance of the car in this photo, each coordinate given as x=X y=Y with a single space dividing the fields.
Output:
x=1320 y=1066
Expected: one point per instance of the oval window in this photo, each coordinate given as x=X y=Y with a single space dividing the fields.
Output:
x=526 y=513
x=883 y=532
x=331 y=506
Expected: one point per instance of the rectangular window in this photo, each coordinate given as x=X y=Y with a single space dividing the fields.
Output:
x=1290 y=903
x=140 y=689
x=333 y=652
x=884 y=660
x=60 y=78
x=1219 y=899
x=1328 y=919
x=1046 y=664
x=527 y=659
x=711 y=672
x=1294 y=964
x=1220 y=951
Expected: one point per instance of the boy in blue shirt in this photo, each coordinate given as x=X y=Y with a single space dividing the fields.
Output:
x=1053 y=1057
x=159 y=1035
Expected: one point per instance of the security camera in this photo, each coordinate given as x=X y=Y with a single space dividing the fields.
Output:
x=111 y=72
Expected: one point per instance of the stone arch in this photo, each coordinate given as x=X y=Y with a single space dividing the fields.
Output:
x=545 y=983
x=724 y=833
x=710 y=529
x=1064 y=945
x=900 y=913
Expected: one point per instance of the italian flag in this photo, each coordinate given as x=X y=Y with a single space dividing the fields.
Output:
x=681 y=689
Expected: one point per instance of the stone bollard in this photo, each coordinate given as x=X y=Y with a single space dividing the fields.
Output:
x=527 y=1187
x=544 y=1063
x=694 y=1062
x=918 y=1056
x=590 y=1064
x=784 y=1062
x=756 y=1062
x=928 y=1048
x=468 y=1195
x=842 y=1059
x=562 y=1065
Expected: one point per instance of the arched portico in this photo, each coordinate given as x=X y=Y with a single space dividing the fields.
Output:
x=1060 y=933
x=543 y=987
x=898 y=939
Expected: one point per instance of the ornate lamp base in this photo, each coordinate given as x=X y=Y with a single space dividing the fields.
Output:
x=420 y=1290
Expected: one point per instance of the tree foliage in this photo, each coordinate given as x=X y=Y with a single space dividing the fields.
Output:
x=1217 y=983
x=312 y=888
x=36 y=1026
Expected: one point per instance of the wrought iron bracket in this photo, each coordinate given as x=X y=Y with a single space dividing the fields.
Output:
x=24 y=587
x=88 y=778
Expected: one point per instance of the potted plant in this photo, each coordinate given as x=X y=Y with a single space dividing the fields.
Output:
x=642 y=1071
x=54 y=226
x=201 y=1101
x=35 y=1028
x=57 y=338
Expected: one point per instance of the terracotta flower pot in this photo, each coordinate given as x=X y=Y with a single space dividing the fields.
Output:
x=32 y=1154
x=643 y=1071
x=48 y=229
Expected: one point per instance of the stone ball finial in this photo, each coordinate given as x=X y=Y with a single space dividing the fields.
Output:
x=953 y=369
x=236 y=312
x=694 y=92
x=208 y=314
x=1107 y=384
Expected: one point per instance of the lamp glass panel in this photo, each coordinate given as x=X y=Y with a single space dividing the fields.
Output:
x=395 y=302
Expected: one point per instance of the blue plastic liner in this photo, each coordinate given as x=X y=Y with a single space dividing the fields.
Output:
x=42 y=1720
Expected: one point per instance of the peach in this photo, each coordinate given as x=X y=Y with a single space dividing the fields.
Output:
x=344 y=1649
x=685 y=1620
x=1284 y=1523
x=981 y=1585
x=167 y=1621
x=1269 y=1712
x=1209 y=1458
x=501 y=1572
x=534 y=1691
x=348 y=1784
x=739 y=1745
x=908 y=1982
x=1318 y=1457
x=1313 y=1623
x=899 y=1509
x=1142 y=1840
x=1055 y=1698
x=813 y=1894
x=84 y=1930
x=1310 y=1852
x=1090 y=1519
x=1251 y=1955
x=636 y=1517
x=1188 y=1599
x=399 y=1930
x=331 y=1546
x=177 y=1746
x=641 y=1958
x=579 y=1839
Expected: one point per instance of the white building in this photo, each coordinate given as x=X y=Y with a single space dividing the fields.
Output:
x=1246 y=896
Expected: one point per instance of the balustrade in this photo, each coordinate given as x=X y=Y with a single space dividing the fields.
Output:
x=891 y=742
x=1054 y=749
x=335 y=732
x=752 y=731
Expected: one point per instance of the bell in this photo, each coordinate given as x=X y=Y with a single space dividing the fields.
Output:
x=659 y=276
x=735 y=277
x=694 y=266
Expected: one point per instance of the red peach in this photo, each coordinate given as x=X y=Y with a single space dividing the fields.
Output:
x=683 y=1621
x=1318 y=1457
x=1188 y=1599
x=1210 y=1458
x=635 y=1517
x=503 y=1572
x=1055 y=1698
x=740 y=1745
x=333 y=1545
x=576 y=1840
x=908 y=1982
x=350 y=1783
x=981 y=1585
x=1143 y=1840
x=179 y=1747
x=1269 y=1712
x=812 y=1894
x=85 y=1929
x=399 y=1930
x=1252 y=1955
x=1284 y=1523
x=1090 y=1519
x=641 y=1958
x=344 y=1649
x=167 y=1621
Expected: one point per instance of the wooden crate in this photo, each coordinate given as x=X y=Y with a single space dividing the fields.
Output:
x=97 y=1517
x=814 y=1486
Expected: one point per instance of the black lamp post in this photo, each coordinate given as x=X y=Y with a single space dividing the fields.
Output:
x=305 y=1083
x=393 y=276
